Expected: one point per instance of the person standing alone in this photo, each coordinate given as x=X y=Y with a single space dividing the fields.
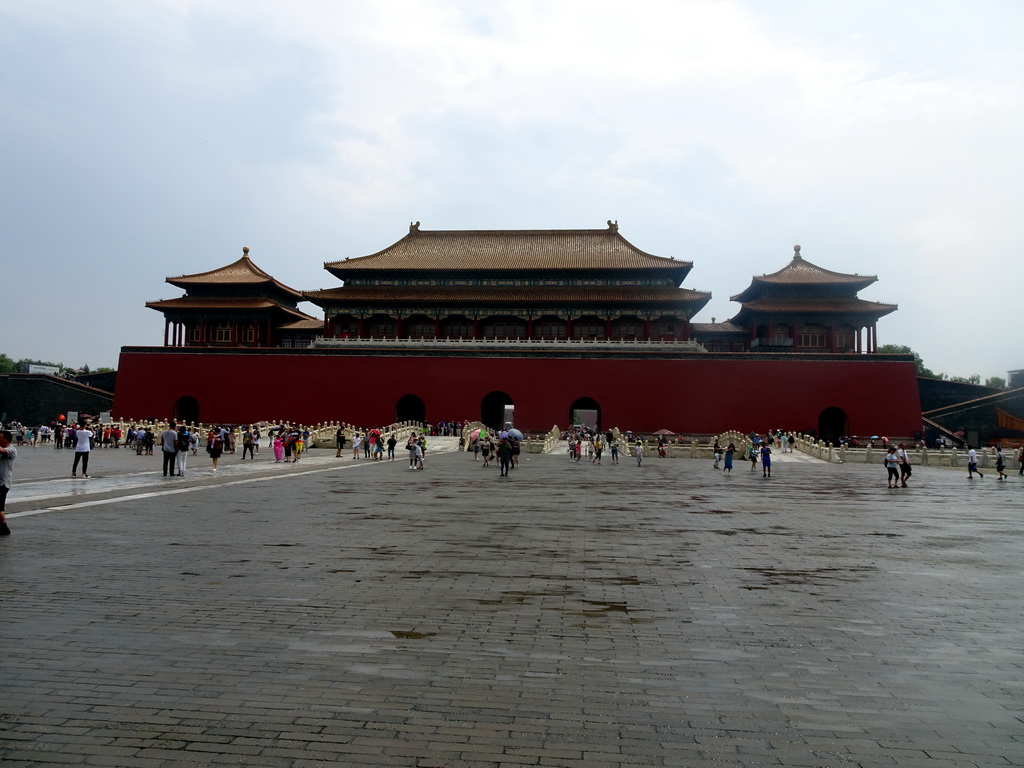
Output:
x=83 y=446
x=169 y=446
x=8 y=454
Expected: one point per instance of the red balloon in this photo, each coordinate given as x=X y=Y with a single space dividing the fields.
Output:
x=62 y=417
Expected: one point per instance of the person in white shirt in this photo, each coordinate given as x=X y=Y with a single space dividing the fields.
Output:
x=904 y=460
x=972 y=463
x=8 y=453
x=82 y=450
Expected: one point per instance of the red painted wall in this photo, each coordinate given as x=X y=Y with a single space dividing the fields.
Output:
x=696 y=394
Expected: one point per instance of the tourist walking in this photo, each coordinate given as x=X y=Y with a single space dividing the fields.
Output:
x=1000 y=463
x=752 y=457
x=8 y=453
x=278 y=448
x=728 y=458
x=504 y=456
x=485 y=449
x=892 y=464
x=639 y=451
x=215 y=446
x=83 y=446
x=392 y=442
x=247 y=445
x=904 y=460
x=972 y=463
x=766 y=458
x=614 y=445
x=182 y=455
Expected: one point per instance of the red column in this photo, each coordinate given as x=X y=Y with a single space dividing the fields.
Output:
x=362 y=328
x=437 y=327
x=529 y=327
x=398 y=327
x=608 y=328
x=832 y=337
x=568 y=328
x=647 y=330
x=874 y=337
x=167 y=327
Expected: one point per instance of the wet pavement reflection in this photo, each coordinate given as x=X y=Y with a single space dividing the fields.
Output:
x=354 y=613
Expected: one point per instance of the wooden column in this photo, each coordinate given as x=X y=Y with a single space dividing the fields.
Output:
x=167 y=328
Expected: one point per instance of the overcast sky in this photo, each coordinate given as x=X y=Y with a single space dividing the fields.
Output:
x=144 y=139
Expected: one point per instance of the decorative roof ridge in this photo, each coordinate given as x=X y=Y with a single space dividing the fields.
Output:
x=245 y=263
x=416 y=233
x=799 y=261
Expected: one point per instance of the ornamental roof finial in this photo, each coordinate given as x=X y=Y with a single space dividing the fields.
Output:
x=796 y=252
x=245 y=251
x=414 y=227
x=613 y=225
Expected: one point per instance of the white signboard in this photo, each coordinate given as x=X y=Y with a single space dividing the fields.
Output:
x=53 y=370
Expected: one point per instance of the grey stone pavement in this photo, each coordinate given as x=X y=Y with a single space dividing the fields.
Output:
x=356 y=613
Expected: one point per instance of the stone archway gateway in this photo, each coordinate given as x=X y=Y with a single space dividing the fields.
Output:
x=494 y=408
x=410 y=408
x=186 y=410
x=833 y=424
x=585 y=411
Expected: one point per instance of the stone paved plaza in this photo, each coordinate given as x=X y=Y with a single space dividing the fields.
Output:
x=356 y=613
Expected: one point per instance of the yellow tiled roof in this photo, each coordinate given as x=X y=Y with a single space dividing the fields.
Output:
x=509 y=250
x=241 y=272
x=799 y=271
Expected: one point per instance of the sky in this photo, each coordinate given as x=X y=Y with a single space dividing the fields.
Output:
x=142 y=139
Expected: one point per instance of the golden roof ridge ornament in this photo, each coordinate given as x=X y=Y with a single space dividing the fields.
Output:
x=414 y=227
x=245 y=251
x=796 y=252
x=613 y=226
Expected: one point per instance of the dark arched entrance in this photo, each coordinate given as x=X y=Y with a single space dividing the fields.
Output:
x=832 y=424
x=410 y=408
x=493 y=409
x=585 y=411
x=186 y=409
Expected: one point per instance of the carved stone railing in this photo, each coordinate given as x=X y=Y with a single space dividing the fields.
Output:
x=507 y=344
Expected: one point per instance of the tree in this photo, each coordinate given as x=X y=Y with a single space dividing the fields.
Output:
x=996 y=382
x=7 y=365
x=973 y=379
x=897 y=349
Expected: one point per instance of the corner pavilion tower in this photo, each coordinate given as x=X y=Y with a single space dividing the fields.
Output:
x=577 y=284
x=800 y=308
x=238 y=305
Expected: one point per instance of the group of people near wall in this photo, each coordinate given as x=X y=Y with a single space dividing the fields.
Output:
x=503 y=452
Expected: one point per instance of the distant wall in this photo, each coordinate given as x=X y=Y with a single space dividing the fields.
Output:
x=938 y=393
x=33 y=398
x=690 y=394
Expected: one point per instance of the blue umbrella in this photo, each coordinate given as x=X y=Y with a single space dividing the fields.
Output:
x=516 y=434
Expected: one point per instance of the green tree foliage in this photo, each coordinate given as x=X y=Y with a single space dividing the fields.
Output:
x=897 y=349
x=7 y=365
x=974 y=379
x=996 y=382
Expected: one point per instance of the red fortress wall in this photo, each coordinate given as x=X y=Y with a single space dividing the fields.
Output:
x=687 y=394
